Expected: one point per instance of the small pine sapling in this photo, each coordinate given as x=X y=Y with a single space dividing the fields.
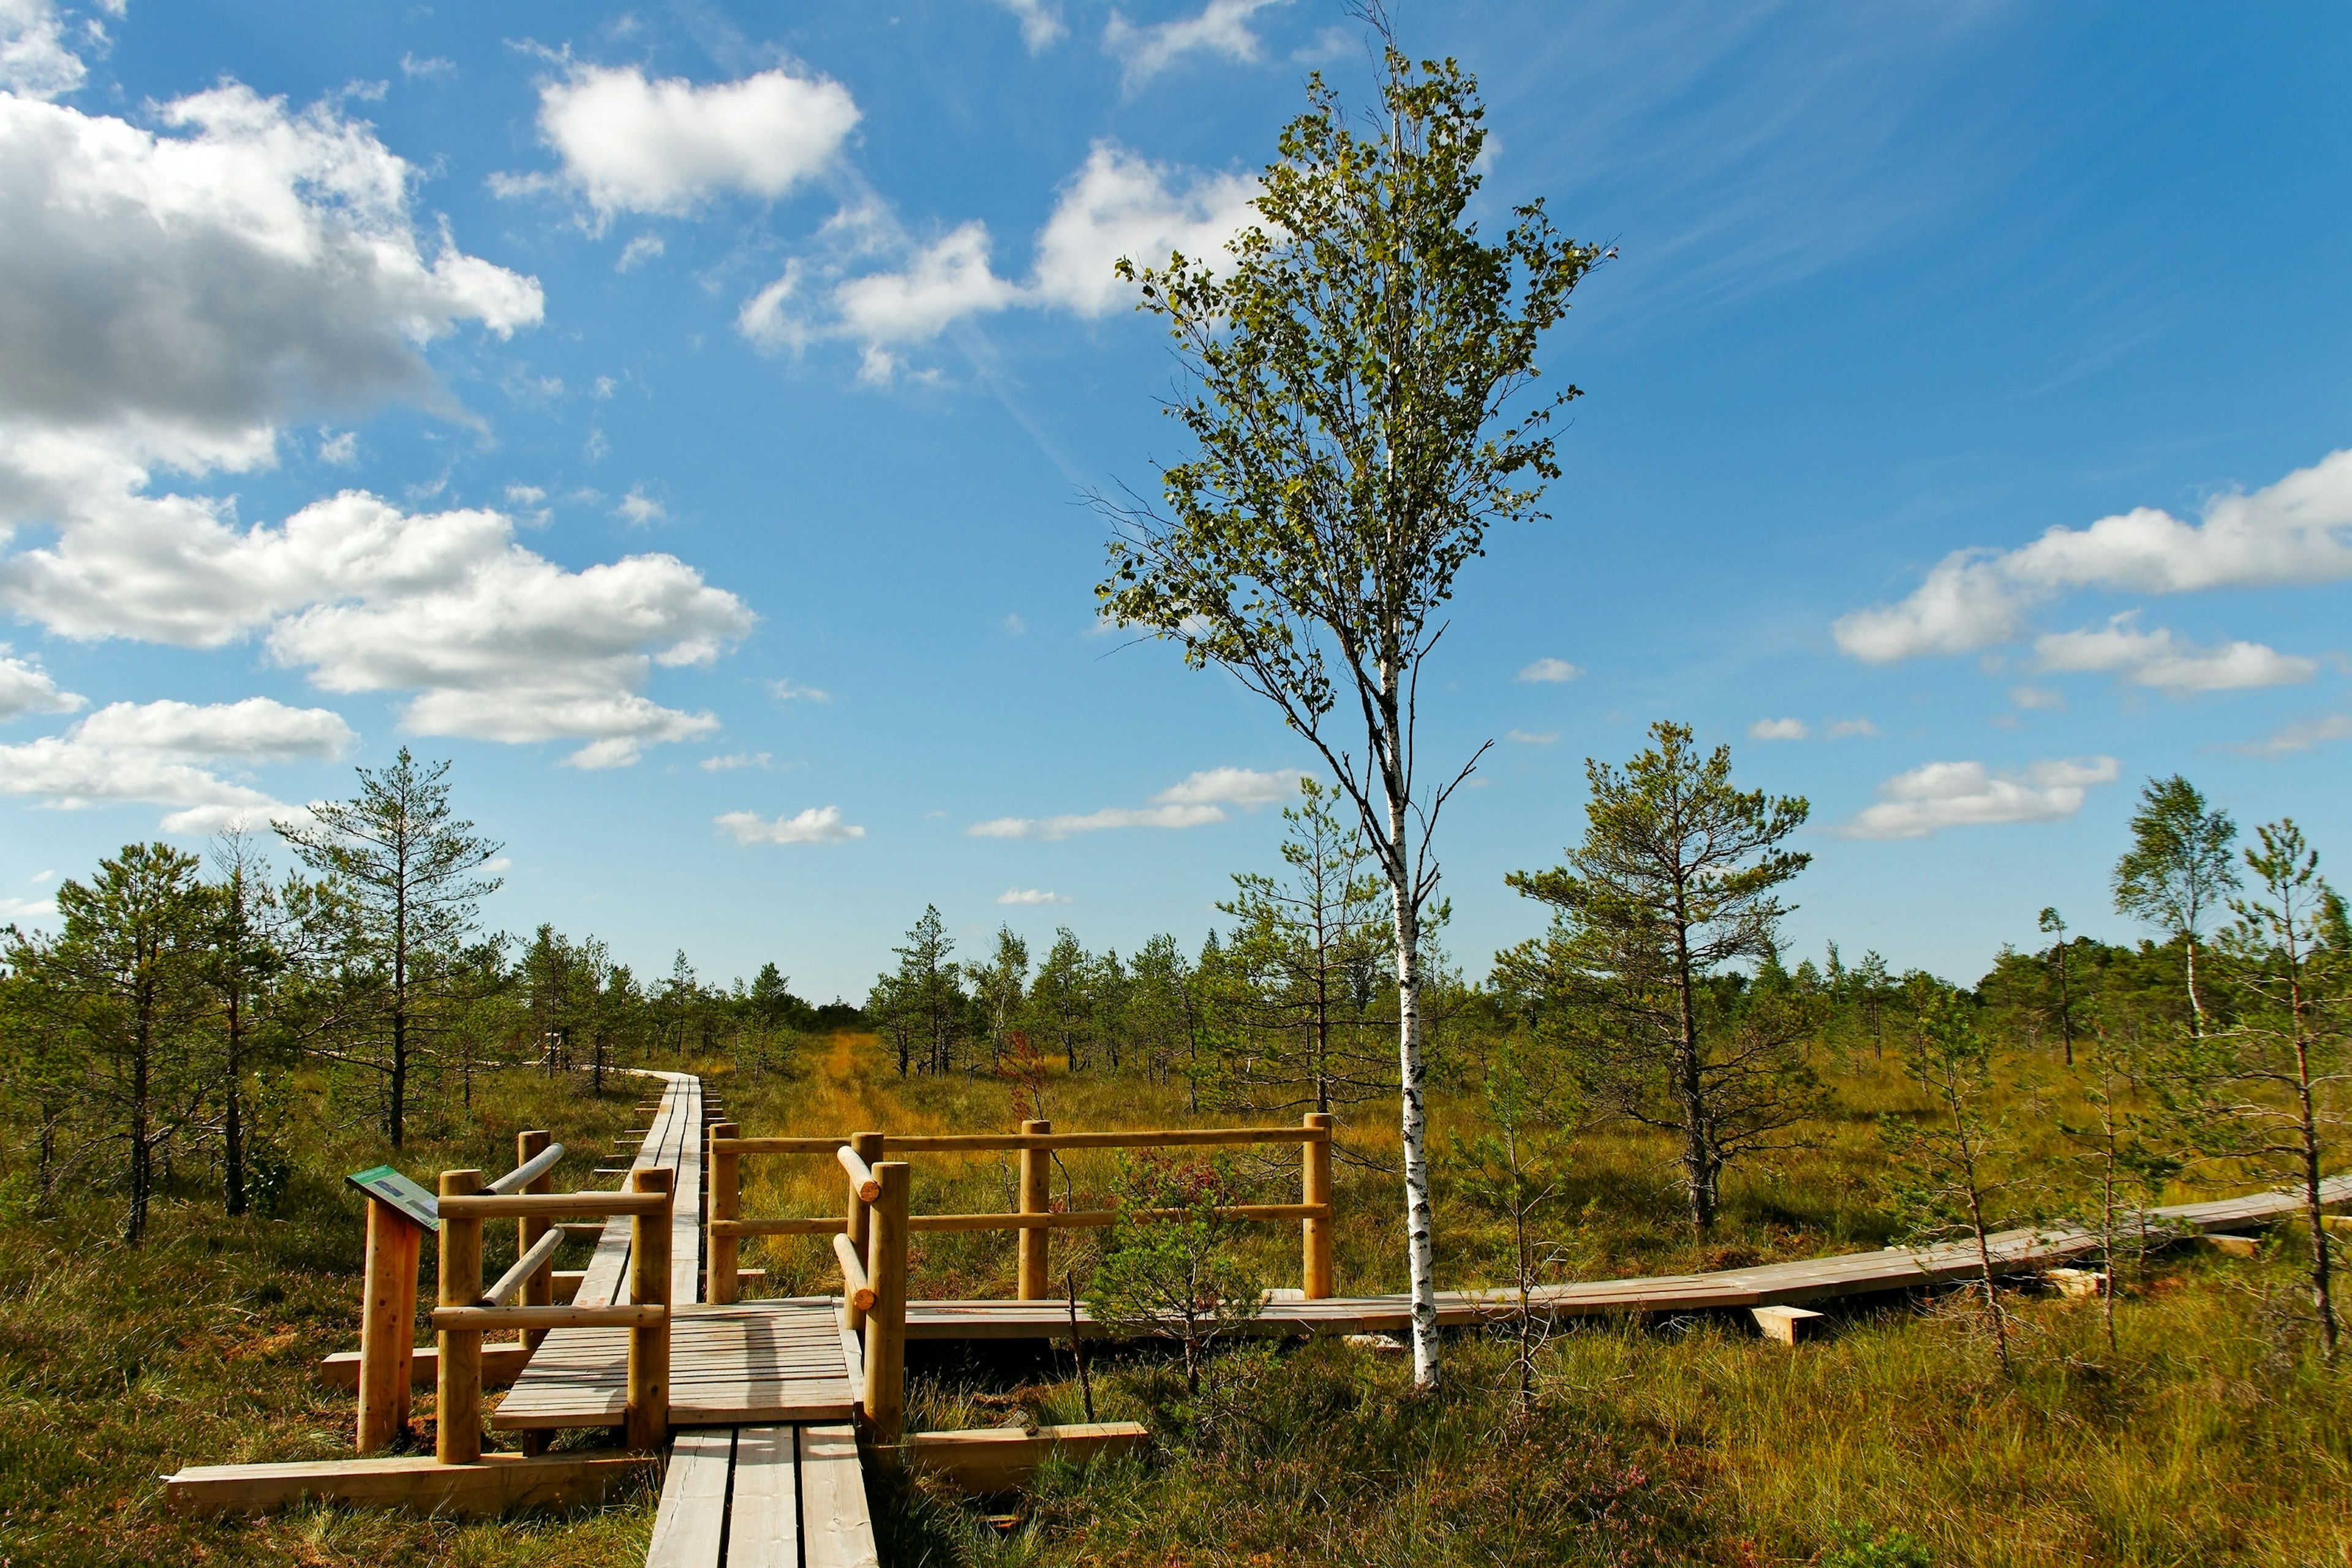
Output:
x=1171 y=1267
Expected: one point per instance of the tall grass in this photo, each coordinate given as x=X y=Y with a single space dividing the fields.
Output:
x=2213 y=1435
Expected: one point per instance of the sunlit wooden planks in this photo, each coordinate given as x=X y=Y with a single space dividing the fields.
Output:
x=767 y=1361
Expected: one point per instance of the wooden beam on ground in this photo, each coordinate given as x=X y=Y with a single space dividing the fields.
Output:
x=1789 y=1325
x=2228 y=1244
x=836 y=1529
x=2077 y=1284
x=764 y=1518
x=488 y=1486
x=1007 y=1458
x=690 y=1525
x=501 y=1364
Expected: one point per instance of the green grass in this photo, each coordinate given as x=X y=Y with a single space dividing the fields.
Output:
x=2211 y=1435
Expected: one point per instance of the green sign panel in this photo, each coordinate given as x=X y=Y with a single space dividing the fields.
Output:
x=386 y=1186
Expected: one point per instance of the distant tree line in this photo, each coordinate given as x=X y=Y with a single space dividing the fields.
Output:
x=155 y=1033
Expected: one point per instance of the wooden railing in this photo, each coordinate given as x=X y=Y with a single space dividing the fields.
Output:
x=869 y=1237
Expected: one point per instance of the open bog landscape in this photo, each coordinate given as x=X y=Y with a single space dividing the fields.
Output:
x=1220 y=783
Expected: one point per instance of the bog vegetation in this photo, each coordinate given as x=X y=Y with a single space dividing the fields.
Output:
x=1650 y=1083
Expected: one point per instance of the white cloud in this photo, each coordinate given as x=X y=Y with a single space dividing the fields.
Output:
x=525 y=495
x=639 y=251
x=339 y=451
x=2300 y=736
x=430 y=68
x=1552 y=671
x=817 y=825
x=1233 y=787
x=1115 y=204
x=165 y=752
x=1221 y=27
x=1119 y=203
x=1533 y=737
x=2298 y=531
x=1072 y=823
x=2037 y=699
x=1197 y=801
x=1778 y=730
x=167 y=298
x=37 y=909
x=2170 y=664
x=497 y=642
x=1041 y=23
x=1030 y=897
x=1842 y=729
x=33 y=60
x=732 y=761
x=946 y=282
x=632 y=145
x=792 y=691
x=27 y=687
x=638 y=509
x=1930 y=799
x=1015 y=626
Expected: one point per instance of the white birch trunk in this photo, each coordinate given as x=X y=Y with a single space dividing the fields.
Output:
x=1413 y=1108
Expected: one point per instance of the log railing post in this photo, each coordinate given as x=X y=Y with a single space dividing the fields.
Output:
x=867 y=1146
x=1315 y=1187
x=539 y=1290
x=647 y=1422
x=723 y=1170
x=387 y=1324
x=886 y=1322
x=1036 y=1197
x=457 y=1414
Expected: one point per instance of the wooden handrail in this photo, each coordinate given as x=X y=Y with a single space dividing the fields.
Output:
x=489 y=1319
x=1009 y=1142
x=832 y=1225
x=514 y=1181
x=515 y=1205
x=855 y=1289
x=511 y=1283
x=861 y=1176
x=1093 y=1219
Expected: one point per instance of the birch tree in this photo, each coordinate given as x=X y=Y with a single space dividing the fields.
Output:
x=1358 y=359
x=2178 y=872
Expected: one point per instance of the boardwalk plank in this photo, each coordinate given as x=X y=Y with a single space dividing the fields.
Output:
x=837 y=1531
x=763 y=1527
x=690 y=1525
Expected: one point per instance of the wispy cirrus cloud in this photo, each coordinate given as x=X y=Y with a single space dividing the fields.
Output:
x=1029 y=898
x=816 y=825
x=1197 y=801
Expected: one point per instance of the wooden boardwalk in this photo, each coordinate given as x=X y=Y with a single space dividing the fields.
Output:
x=764 y=1497
x=760 y=1361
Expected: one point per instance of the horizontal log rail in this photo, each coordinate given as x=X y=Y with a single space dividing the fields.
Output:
x=511 y=1283
x=522 y=1175
x=1014 y=1142
x=549 y=1206
x=724 y=1228
x=861 y=1177
x=490 y=1320
x=855 y=1289
x=1097 y=1219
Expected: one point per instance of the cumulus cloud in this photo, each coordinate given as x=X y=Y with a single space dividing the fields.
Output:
x=639 y=509
x=732 y=761
x=1220 y=27
x=1778 y=730
x=33 y=60
x=2297 y=531
x=169 y=298
x=2036 y=698
x=27 y=687
x=1842 y=728
x=792 y=691
x=2300 y=736
x=1233 y=787
x=1040 y=24
x=1115 y=204
x=1929 y=799
x=1197 y=801
x=817 y=825
x=497 y=642
x=167 y=753
x=1549 y=671
x=630 y=145
x=1030 y=897
x=2170 y=664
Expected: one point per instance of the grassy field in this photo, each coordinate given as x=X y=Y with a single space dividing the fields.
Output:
x=2210 y=1436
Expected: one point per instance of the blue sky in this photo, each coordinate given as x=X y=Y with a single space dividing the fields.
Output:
x=678 y=418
